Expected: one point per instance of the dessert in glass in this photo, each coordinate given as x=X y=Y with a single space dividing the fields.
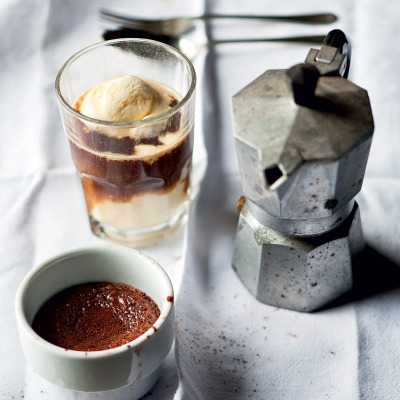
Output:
x=127 y=107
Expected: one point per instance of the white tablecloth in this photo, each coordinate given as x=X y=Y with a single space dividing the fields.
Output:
x=228 y=345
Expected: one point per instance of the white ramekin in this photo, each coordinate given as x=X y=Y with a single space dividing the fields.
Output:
x=134 y=366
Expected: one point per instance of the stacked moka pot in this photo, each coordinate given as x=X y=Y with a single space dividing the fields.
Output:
x=302 y=138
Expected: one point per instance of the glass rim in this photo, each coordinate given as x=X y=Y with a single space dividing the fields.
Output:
x=134 y=123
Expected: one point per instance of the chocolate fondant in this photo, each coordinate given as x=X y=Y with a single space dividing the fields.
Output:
x=96 y=316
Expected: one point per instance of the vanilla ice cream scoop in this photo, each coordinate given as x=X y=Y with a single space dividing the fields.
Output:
x=121 y=99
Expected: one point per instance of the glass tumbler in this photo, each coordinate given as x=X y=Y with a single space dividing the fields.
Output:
x=135 y=175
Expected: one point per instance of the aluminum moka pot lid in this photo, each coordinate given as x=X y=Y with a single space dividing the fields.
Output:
x=306 y=113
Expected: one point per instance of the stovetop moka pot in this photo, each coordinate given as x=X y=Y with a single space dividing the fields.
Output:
x=302 y=137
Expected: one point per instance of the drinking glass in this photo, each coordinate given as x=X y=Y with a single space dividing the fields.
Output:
x=135 y=175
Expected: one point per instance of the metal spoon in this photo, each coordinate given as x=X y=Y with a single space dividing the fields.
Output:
x=191 y=49
x=176 y=26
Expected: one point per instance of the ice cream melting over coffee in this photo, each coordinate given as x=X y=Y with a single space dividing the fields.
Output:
x=134 y=175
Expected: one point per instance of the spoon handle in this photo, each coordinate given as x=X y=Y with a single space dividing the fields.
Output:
x=301 y=39
x=325 y=18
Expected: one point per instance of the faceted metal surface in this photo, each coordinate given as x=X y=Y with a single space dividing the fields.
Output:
x=303 y=226
x=302 y=139
x=288 y=152
x=292 y=272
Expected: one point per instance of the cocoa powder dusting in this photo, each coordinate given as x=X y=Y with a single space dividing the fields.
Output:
x=96 y=316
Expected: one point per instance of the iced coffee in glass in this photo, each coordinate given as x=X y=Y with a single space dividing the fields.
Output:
x=127 y=107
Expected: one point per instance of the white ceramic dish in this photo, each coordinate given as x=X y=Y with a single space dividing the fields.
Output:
x=134 y=366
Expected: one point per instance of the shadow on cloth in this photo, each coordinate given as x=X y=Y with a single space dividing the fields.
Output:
x=373 y=274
